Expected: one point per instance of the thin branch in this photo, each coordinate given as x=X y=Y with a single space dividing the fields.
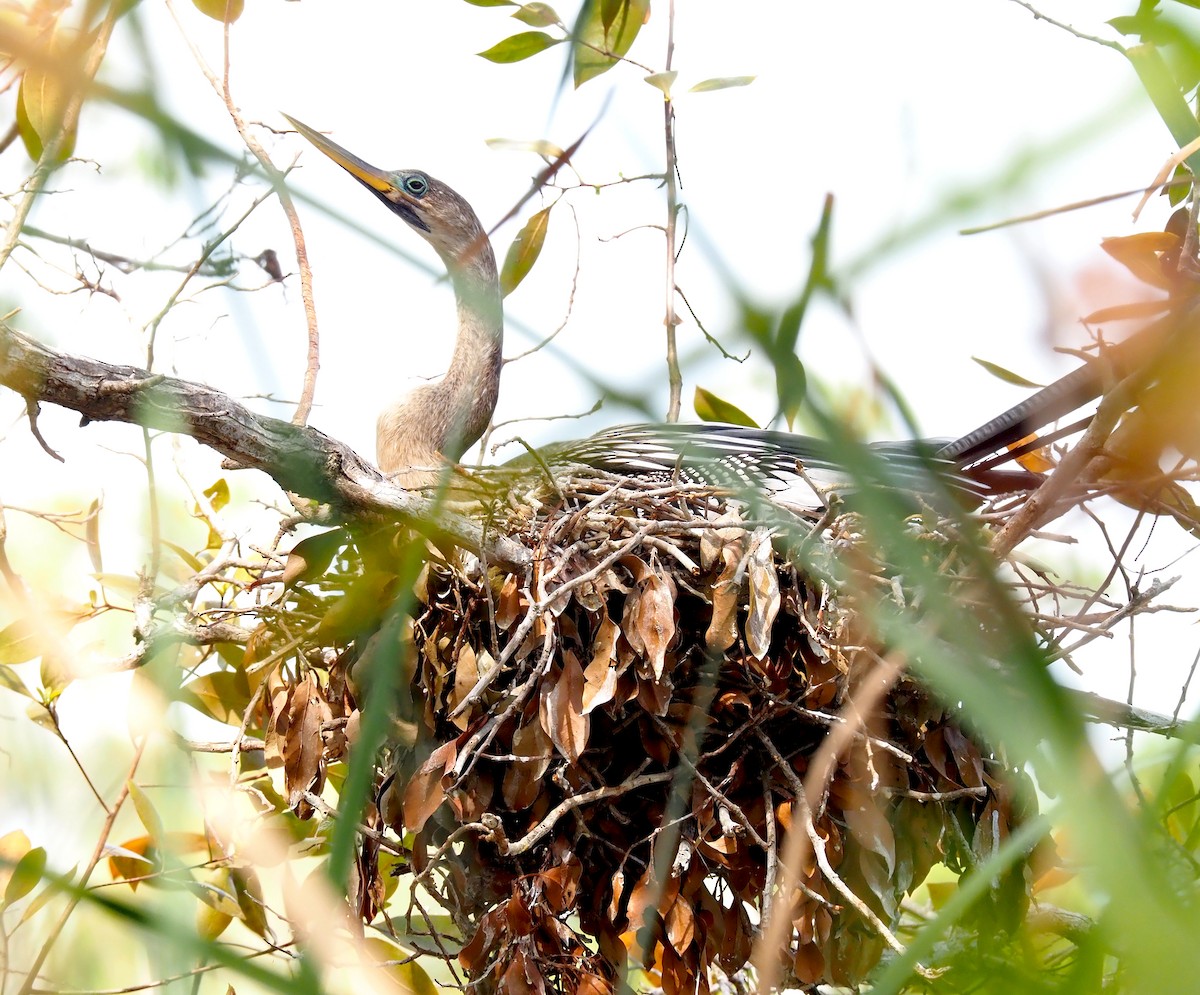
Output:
x=671 y=319
x=276 y=178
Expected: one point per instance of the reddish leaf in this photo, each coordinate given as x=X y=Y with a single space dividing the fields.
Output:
x=1139 y=253
x=516 y=915
x=809 y=964
x=601 y=674
x=132 y=860
x=561 y=709
x=424 y=792
x=303 y=748
x=521 y=778
x=560 y=885
x=680 y=924
x=656 y=619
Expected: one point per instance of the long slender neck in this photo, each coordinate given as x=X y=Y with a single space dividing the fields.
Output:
x=472 y=382
x=439 y=422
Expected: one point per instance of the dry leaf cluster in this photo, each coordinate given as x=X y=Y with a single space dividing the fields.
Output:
x=598 y=763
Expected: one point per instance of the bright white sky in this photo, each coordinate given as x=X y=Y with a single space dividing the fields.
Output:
x=889 y=105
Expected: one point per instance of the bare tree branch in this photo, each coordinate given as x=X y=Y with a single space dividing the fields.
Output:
x=301 y=460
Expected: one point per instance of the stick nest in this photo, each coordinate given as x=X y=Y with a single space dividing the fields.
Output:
x=599 y=762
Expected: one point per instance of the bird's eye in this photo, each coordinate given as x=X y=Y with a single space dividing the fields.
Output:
x=416 y=186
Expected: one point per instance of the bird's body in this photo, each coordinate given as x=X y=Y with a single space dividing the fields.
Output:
x=422 y=434
x=792 y=470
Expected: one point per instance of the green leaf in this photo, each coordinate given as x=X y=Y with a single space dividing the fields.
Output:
x=1006 y=375
x=520 y=46
x=43 y=897
x=249 y=899
x=791 y=384
x=1180 y=185
x=25 y=876
x=524 y=251
x=662 y=81
x=1163 y=90
x=40 y=715
x=55 y=673
x=537 y=15
x=311 y=556
x=606 y=34
x=711 y=408
x=146 y=812
x=722 y=83
x=783 y=348
x=491 y=3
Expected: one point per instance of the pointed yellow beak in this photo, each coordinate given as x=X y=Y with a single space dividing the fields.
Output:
x=376 y=179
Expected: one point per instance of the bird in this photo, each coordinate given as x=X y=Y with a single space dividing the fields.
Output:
x=425 y=432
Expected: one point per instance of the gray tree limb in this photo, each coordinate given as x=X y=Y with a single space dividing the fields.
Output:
x=299 y=459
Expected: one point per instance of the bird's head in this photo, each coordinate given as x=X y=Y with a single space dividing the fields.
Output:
x=436 y=212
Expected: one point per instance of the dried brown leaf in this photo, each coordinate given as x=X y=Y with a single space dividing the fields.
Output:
x=466 y=676
x=764 y=594
x=681 y=924
x=592 y=984
x=522 y=976
x=561 y=709
x=508 y=604
x=560 y=885
x=722 y=627
x=809 y=964
x=303 y=748
x=601 y=674
x=424 y=792
x=656 y=619
x=521 y=777
x=516 y=915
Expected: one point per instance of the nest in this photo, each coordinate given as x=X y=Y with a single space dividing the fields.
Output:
x=599 y=762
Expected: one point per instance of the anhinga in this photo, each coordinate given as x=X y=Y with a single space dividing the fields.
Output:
x=437 y=422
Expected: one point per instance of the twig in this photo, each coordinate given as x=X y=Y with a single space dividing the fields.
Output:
x=276 y=178
x=671 y=319
x=32 y=408
x=1062 y=25
x=579 y=801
